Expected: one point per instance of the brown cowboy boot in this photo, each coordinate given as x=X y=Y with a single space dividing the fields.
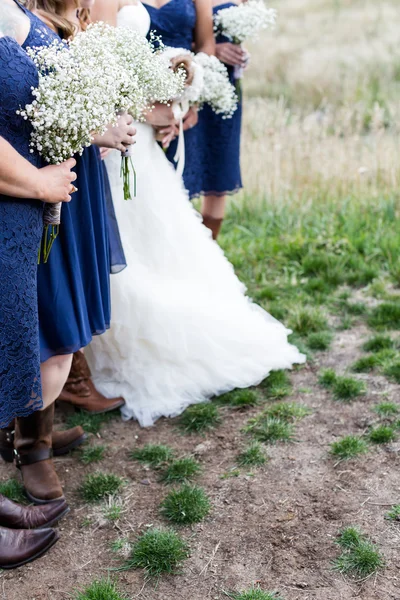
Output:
x=33 y=452
x=21 y=546
x=62 y=441
x=79 y=391
x=15 y=516
x=213 y=224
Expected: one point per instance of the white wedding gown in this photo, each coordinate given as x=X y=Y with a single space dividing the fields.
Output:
x=182 y=328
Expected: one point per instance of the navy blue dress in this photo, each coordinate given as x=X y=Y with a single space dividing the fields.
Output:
x=174 y=23
x=74 y=285
x=219 y=142
x=21 y=228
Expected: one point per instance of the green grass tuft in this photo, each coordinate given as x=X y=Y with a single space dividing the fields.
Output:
x=394 y=513
x=320 y=340
x=256 y=594
x=306 y=320
x=97 y=486
x=13 y=490
x=154 y=455
x=382 y=434
x=277 y=385
x=365 y=364
x=158 y=551
x=360 y=557
x=113 y=511
x=377 y=343
x=186 y=505
x=392 y=370
x=100 y=589
x=387 y=409
x=92 y=454
x=327 y=378
x=181 y=470
x=287 y=411
x=347 y=389
x=240 y=398
x=270 y=430
x=252 y=456
x=348 y=447
x=200 y=417
x=91 y=423
x=385 y=316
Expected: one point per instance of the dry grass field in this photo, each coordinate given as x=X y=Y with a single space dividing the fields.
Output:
x=289 y=491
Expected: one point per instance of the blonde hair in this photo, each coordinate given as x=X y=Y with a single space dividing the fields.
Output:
x=52 y=11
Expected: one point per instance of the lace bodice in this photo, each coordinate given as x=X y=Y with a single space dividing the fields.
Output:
x=134 y=17
x=174 y=22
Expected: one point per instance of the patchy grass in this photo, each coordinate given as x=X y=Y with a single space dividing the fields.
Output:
x=154 y=455
x=13 y=490
x=320 y=340
x=347 y=389
x=92 y=454
x=385 y=316
x=113 y=510
x=277 y=385
x=348 y=447
x=287 y=411
x=378 y=343
x=365 y=364
x=199 y=418
x=91 y=423
x=327 y=378
x=97 y=486
x=100 y=589
x=181 y=470
x=382 y=434
x=240 y=398
x=306 y=320
x=394 y=513
x=186 y=505
x=252 y=456
x=269 y=429
x=387 y=409
x=360 y=557
x=158 y=552
x=392 y=370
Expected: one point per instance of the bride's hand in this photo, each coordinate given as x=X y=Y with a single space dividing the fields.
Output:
x=118 y=137
x=191 y=118
x=161 y=115
x=165 y=135
x=231 y=54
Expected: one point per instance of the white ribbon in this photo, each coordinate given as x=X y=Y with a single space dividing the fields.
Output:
x=180 y=109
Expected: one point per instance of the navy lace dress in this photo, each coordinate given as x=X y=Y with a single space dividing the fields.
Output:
x=219 y=144
x=174 y=23
x=74 y=285
x=21 y=227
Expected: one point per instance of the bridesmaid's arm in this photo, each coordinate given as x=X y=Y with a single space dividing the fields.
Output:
x=106 y=11
x=20 y=179
x=204 y=40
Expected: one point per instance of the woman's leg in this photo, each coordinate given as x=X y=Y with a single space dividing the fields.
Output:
x=54 y=374
x=213 y=212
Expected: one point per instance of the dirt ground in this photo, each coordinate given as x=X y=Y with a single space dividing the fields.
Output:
x=275 y=526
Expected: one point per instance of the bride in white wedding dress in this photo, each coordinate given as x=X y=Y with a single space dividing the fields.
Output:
x=182 y=330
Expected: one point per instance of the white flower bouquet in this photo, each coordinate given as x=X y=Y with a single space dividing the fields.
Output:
x=141 y=76
x=74 y=100
x=243 y=22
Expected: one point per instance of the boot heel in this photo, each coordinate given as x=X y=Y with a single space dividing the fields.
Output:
x=7 y=454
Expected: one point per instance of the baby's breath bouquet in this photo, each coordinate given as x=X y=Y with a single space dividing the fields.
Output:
x=243 y=22
x=206 y=81
x=74 y=100
x=143 y=78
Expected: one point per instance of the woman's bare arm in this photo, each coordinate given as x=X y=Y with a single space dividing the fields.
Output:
x=204 y=40
x=20 y=179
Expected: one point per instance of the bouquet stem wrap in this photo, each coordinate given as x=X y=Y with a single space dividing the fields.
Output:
x=127 y=168
x=51 y=222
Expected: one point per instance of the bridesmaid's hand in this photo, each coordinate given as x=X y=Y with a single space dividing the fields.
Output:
x=55 y=182
x=118 y=137
x=232 y=54
x=165 y=135
x=161 y=115
x=191 y=118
